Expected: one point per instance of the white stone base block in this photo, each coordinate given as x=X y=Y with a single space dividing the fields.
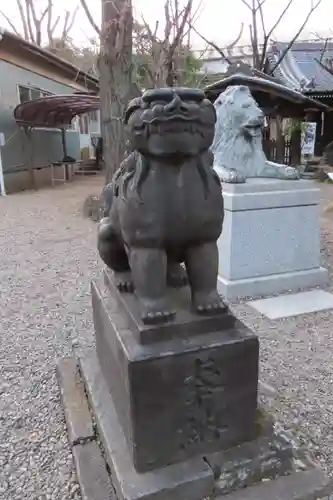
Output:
x=271 y=238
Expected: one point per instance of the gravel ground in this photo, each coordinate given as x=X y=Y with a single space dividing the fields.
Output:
x=47 y=257
x=296 y=360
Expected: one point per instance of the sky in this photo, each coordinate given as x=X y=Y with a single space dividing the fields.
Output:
x=219 y=20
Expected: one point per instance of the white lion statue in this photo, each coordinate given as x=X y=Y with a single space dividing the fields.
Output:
x=237 y=144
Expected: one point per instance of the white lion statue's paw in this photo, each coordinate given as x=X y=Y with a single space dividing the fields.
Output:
x=292 y=173
x=232 y=176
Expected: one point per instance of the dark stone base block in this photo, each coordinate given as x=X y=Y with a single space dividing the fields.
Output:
x=265 y=458
x=269 y=467
x=303 y=485
x=192 y=479
x=179 y=398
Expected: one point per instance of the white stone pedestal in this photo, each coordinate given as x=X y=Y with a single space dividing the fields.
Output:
x=270 y=241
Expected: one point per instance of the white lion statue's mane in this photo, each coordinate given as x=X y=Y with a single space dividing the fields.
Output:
x=235 y=108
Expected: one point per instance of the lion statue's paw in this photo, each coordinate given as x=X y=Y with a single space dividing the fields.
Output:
x=155 y=312
x=230 y=176
x=292 y=173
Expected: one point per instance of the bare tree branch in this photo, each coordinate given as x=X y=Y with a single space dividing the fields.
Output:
x=43 y=14
x=23 y=20
x=29 y=23
x=251 y=6
x=254 y=33
x=212 y=44
x=217 y=48
x=64 y=28
x=238 y=37
x=267 y=36
x=180 y=29
x=49 y=21
x=36 y=22
x=89 y=16
x=292 y=41
x=326 y=41
x=167 y=56
x=72 y=20
x=324 y=50
x=10 y=23
x=54 y=27
x=279 y=19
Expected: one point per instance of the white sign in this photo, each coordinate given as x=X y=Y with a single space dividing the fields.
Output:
x=308 y=138
x=330 y=175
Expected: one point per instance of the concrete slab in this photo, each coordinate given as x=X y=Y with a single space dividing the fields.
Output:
x=94 y=479
x=77 y=414
x=259 y=286
x=285 y=306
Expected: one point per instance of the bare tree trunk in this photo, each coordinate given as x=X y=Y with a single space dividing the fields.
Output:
x=115 y=68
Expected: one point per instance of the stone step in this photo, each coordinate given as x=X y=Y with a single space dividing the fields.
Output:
x=312 y=484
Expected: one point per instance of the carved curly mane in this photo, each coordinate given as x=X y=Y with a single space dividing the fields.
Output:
x=232 y=148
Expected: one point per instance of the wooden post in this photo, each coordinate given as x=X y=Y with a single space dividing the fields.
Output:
x=280 y=143
x=2 y=180
x=64 y=148
x=28 y=131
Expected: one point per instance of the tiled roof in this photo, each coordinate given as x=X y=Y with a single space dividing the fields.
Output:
x=303 y=67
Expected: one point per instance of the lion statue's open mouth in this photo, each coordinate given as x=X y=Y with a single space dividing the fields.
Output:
x=254 y=128
x=237 y=144
x=180 y=121
x=176 y=125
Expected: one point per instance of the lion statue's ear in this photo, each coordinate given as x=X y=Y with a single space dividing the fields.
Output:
x=133 y=105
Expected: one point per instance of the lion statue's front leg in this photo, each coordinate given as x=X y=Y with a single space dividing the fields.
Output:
x=277 y=171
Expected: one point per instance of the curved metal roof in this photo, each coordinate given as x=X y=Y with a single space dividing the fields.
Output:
x=55 y=110
x=264 y=84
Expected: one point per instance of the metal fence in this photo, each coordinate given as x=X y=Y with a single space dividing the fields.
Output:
x=272 y=149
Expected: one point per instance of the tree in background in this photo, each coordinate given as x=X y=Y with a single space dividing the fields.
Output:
x=84 y=57
x=261 y=37
x=165 y=60
x=37 y=18
x=40 y=25
x=115 y=74
x=132 y=53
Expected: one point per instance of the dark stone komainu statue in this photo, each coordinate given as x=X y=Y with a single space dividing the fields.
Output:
x=164 y=204
x=179 y=389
